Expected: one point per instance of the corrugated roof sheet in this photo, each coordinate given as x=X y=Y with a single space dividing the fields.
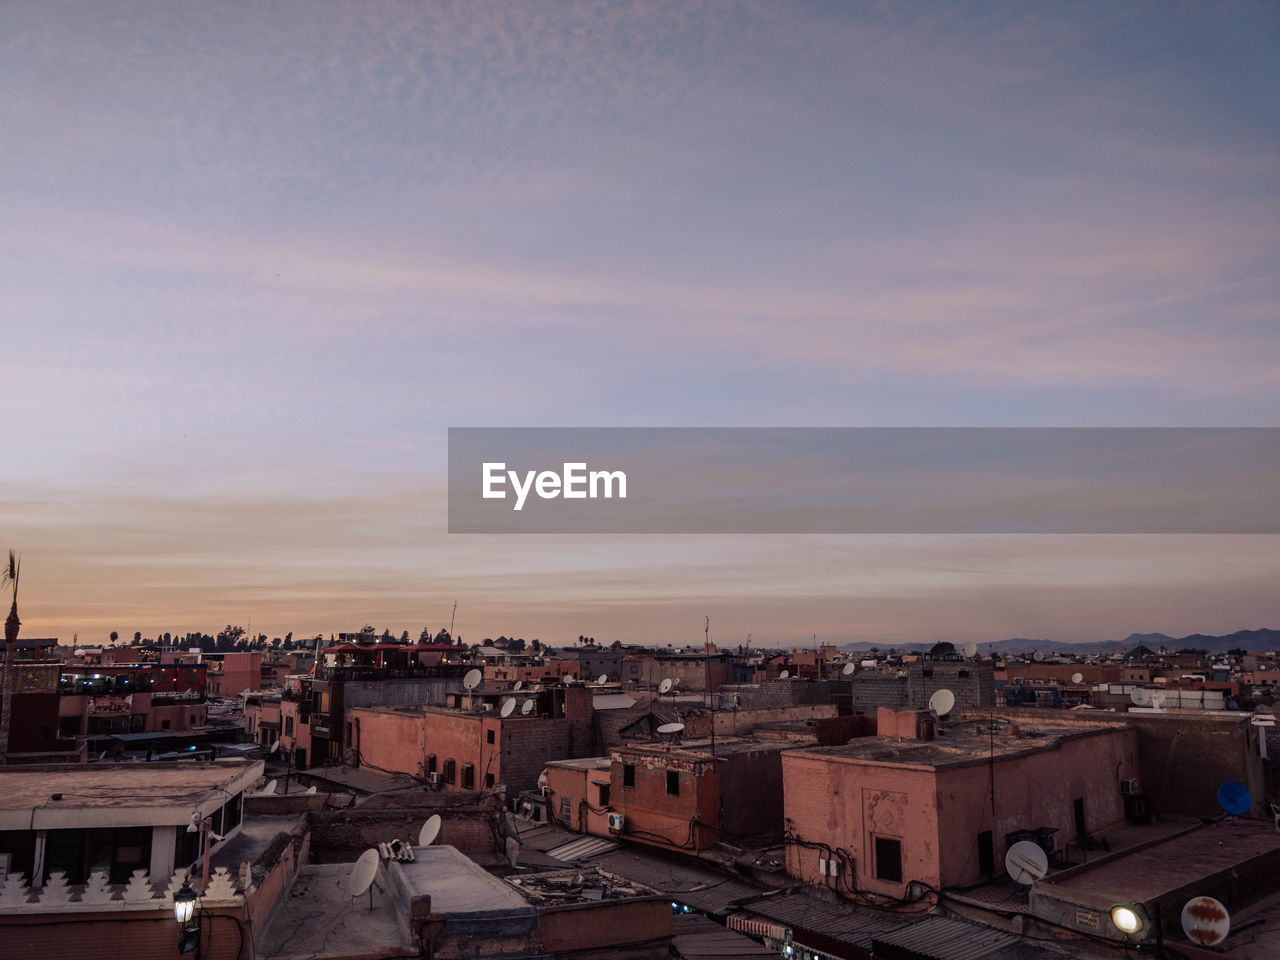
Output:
x=699 y=887
x=697 y=938
x=941 y=938
x=846 y=924
x=582 y=847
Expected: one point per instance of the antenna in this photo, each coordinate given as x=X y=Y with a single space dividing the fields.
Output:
x=1205 y=921
x=941 y=702
x=1077 y=678
x=362 y=875
x=848 y=668
x=472 y=679
x=508 y=707
x=970 y=649
x=430 y=830
x=665 y=686
x=1234 y=798
x=451 y=616
x=1026 y=862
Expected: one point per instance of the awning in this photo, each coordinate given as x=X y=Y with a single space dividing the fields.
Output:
x=756 y=925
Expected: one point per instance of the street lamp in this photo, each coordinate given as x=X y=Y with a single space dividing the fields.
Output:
x=184 y=911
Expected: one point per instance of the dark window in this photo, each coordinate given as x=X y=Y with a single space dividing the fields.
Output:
x=604 y=794
x=986 y=854
x=628 y=774
x=164 y=724
x=431 y=763
x=488 y=781
x=488 y=734
x=963 y=674
x=566 y=809
x=449 y=768
x=288 y=726
x=468 y=776
x=1081 y=826
x=673 y=783
x=888 y=860
x=68 y=726
x=348 y=734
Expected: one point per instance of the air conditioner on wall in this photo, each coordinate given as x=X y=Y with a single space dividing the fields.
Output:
x=1129 y=787
x=617 y=821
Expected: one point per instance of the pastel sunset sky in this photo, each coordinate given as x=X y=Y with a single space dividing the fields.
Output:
x=255 y=259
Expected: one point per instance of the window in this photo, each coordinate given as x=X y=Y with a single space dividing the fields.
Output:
x=449 y=770
x=628 y=774
x=673 y=783
x=986 y=854
x=888 y=859
x=348 y=734
x=488 y=735
x=963 y=674
x=164 y=724
x=488 y=781
x=604 y=794
x=566 y=809
x=288 y=726
x=431 y=763
x=468 y=776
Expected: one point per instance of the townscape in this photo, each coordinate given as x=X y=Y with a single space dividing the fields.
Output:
x=372 y=796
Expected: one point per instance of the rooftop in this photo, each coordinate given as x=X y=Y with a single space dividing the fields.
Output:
x=118 y=794
x=963 y=742
x=701 y=747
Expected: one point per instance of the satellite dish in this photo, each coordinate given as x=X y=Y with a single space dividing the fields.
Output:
x=1038 y=655
x=362 y=873
x=1234 y=798
x=526 y=708
x=542 y=779
x=665 y=686
x=245 y=692
x=569 y=678
x=430 y=830
x=508 y=707
x=602 y=680
x=472 y=679
x=942 y=649
x=670 y=729
x=784 y=674
x=269 y=789
x=1232 y=705
x=941 y=702
x=1140 y=696
x=517 y=685
x=310 y=791
x=970 y=649
x=848 y=668
x=1205 y=921
x=274 y=747
x=1077 y=678
x=1157 y=699
x=1026 y=862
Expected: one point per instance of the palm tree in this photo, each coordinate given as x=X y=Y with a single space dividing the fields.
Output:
x=11 y=625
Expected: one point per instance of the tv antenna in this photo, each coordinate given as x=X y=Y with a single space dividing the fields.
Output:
x=1026 y=862
x=508 y=707
x=1205 y=921
x=472 y=679
x=430 y=830
x=526 y=708
x=362 y=874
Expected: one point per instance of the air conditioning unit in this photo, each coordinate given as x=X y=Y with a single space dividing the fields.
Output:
x=616 y=822
x=435 y=779
x=1129 y=787
x=828 y=868
x=1047 y=839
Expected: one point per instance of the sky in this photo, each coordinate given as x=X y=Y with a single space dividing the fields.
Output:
x=256 y=259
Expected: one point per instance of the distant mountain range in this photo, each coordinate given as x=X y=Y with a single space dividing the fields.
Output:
x=1251 y=640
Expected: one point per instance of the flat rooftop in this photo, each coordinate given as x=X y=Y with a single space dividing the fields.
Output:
x=583 y=763
x=700 y=747
x=962 y=742
x=118 y=794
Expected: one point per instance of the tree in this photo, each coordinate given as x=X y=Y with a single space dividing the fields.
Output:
x=114 y=636
x=404 y=637
x=425 y=635
x=443 y=636
x=137 y=637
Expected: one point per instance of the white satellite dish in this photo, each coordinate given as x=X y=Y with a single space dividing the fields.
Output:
x=526 y=708
x=1157 y=699
x=269 y=789
x=1205 y=921
x=671 y=729
x=430 y=830
x=848 y=668
x=472 y=679
x=783 y=675
x=970 y=649
x=942 y=701
x=602 y=680
x=517 y=685
x=362 y=873
x=569 y=678
x=274 y=747
x=508 y=707
x=665 y=686
x=1140 y=697
x=1038 y=655
x=1077 y=678
x=310 y=791
x=1026 y=862
x=542 y=779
